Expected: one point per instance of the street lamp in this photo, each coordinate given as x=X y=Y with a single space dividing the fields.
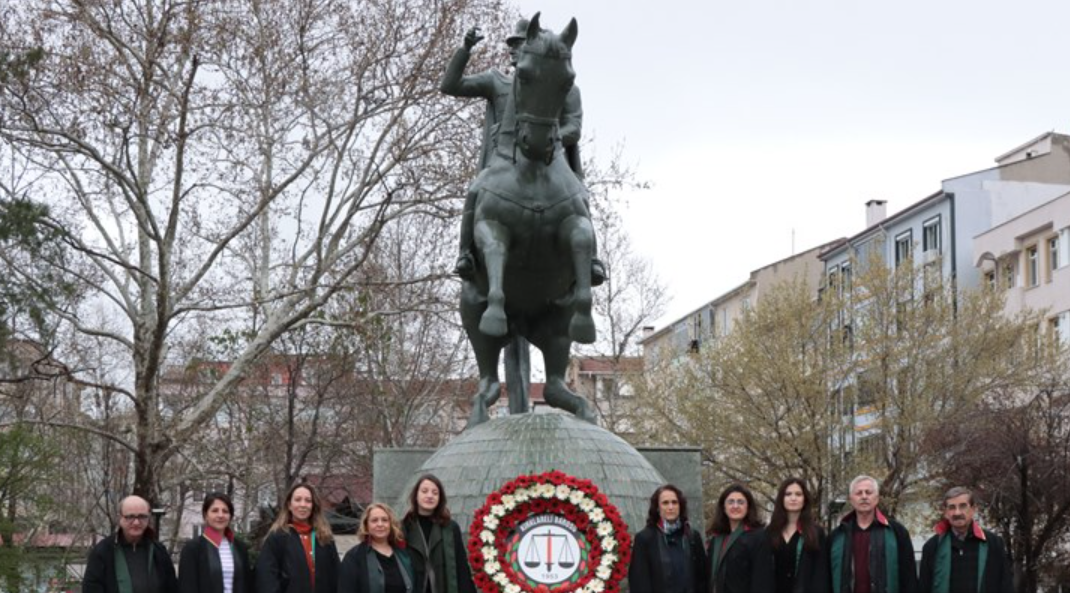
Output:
x=157 y=514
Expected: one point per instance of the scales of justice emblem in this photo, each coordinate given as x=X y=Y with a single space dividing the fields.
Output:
x=549 y=549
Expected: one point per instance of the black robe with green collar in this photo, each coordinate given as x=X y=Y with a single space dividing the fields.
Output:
x=444 y=552
x=997 y=576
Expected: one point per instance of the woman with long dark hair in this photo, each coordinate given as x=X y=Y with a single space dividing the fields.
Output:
x=739 y=556
x=215 y=562
x=299 y=555
x=667 y=556
x=380 y=563
x=799 y=554
x=434 y=540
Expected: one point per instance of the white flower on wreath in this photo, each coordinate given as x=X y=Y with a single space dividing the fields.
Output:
x=497 y=511
x=586 y=505
x=492 y=567
x=509 y=502
x=545 y=490
x=604 y=528
x=597 y=586
x=576 y=497
x=512 y=588
x=608 y=544
x=609 y=559
x=596 y=515
x=490 y=522
x=489 y=553
x=603 y=572
x=562 y=492
x=486 y=536
x=501 y=579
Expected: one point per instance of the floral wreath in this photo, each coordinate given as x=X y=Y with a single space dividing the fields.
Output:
x=604 y=544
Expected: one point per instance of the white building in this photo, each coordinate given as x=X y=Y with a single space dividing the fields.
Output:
x=938 y=231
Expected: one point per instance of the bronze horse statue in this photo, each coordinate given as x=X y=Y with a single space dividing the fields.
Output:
x=532 y=232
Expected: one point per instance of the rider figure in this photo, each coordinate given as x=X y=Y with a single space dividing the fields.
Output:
x=496 y=86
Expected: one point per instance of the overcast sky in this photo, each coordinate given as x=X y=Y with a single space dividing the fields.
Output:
x=757 y=122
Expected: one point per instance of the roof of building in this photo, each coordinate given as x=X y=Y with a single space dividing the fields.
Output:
x=610 y=365
x=734 y=291
x=1039 y=138
x=835 y=247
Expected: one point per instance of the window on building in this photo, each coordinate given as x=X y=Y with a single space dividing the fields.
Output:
x=990 y=279
x=845 y=278
x=931 y=280
x=1056 y=330
x=1008 y=275
x=1032 y=266
x=1053 y=256
x=931 y=235
x=903 y=244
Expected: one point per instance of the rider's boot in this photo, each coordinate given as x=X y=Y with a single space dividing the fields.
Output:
x=598 y=272
x=465 y=266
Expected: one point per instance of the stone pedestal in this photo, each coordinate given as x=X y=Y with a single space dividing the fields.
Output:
x=482 y=459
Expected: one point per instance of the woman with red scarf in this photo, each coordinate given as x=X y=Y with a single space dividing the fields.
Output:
x=299 y=555
x=740 y=559
x=215 y=562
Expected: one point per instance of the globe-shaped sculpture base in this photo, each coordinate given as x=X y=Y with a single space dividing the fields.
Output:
x=483 y=458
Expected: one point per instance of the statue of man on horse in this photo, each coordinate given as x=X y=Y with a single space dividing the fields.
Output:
x=528 y=245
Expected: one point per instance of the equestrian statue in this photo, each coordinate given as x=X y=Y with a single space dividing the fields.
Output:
x=527 y=243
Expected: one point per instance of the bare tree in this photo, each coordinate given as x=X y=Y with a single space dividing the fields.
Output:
x=851 y=382
x=207 y=159
x=1014 y=449
x=631 y=298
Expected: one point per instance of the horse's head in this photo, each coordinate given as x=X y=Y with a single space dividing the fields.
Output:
x=543 y=79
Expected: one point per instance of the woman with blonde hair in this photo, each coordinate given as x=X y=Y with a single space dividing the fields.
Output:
x=380 y=563
x=299 y=555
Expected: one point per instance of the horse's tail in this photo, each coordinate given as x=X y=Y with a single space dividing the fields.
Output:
x=518 y=374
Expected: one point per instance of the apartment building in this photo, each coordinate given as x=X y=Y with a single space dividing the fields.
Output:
x=1029 y=257
x=938 y=231
x=715 y=319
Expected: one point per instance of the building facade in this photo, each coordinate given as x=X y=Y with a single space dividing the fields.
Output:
x=1029 y=257
x=715 y=319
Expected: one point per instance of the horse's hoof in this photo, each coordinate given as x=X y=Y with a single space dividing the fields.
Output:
x=494 y=324
x=581 y=329
x=585 y=414
x=479 y=416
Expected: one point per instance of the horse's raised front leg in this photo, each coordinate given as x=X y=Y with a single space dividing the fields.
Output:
x=578 y=235
x=555 y=346
x=487 y=350
x=492 y=240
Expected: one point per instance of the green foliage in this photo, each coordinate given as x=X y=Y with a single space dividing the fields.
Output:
x=18 y=65
x=30 y=282
x=27 y=459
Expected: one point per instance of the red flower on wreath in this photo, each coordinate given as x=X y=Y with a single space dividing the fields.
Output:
x=605 y=546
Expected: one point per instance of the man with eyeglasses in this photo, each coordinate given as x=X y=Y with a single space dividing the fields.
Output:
x=962 y=556
x=131 y=560
x=869 y=552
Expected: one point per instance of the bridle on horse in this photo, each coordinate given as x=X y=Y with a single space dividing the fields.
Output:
x=535 y=120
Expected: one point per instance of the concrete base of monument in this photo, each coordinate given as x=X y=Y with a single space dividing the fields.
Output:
x=480 y=460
